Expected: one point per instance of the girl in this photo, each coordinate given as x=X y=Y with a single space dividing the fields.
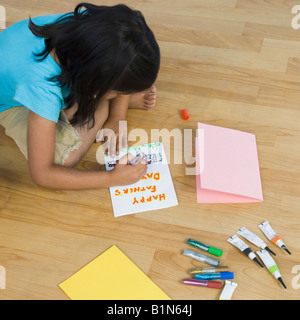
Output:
x=65 y=77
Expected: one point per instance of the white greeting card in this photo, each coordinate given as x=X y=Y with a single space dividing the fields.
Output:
x=154 y=191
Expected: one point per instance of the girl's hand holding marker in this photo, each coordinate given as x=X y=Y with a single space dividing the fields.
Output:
x=129 y=169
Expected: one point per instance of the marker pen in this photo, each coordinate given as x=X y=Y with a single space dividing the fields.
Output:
x=137 y=158
x=215 y=276
x=203 y=283
x=201 y=257
x=228 y=290
x=252 y=237
x=204 y=247
x=270 y=265
x=272 y=235
x=240 y=244
x=208 y=270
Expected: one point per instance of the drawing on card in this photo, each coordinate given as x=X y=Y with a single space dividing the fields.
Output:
x=154 y=191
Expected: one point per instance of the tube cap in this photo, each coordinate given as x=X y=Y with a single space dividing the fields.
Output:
x=284 y=248
x=281 y=281
x=215 y=251
x=227 y=275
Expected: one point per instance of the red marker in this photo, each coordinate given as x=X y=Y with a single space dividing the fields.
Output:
x=203 y=283
x=184 y=114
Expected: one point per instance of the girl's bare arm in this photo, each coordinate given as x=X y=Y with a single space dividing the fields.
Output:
x=41 y=148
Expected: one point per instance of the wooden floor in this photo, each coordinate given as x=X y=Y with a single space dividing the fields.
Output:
x=230 y=63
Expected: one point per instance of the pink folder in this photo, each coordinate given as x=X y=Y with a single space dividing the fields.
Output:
x=227 y=166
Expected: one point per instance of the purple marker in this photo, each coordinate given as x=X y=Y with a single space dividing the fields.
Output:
x=137 y=158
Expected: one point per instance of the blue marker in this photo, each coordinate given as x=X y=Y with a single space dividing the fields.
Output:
x=215 y=276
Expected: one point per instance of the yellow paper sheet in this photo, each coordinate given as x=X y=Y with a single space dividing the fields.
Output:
x=111 y=276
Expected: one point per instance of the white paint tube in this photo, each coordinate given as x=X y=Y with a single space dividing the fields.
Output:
x=2 y=278
x=270 y=265
x=253 y=238
x=228 y=290
x=240 y=244
x=266 y=228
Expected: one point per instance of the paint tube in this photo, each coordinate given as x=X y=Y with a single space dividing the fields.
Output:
x=272 y=235
x=2 y=278
x=253 y=238
x=240 y=244
x=270 y=265
x=228 y=290
x=201 y=257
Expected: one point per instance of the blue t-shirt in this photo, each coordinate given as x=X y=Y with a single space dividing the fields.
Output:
x=23 y=80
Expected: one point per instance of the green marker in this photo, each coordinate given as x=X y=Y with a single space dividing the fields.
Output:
x=204 y=247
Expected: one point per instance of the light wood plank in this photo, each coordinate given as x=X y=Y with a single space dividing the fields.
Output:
x=251 y=60
x=232 y=63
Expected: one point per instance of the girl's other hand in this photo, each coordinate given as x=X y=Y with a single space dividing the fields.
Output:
x=115 y=138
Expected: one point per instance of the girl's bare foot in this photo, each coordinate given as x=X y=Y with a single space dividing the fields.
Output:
x=143 y=100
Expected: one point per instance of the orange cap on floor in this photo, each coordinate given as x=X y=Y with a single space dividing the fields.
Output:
x=184 y=114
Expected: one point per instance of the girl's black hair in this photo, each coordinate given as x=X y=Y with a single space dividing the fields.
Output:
x=100 y=48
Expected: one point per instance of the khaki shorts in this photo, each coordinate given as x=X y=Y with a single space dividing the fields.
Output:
x=15 y=122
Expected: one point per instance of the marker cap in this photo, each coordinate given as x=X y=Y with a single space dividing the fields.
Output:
x=227 y=275
x=212 y=261
x=214 y=284
x=215 y=251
